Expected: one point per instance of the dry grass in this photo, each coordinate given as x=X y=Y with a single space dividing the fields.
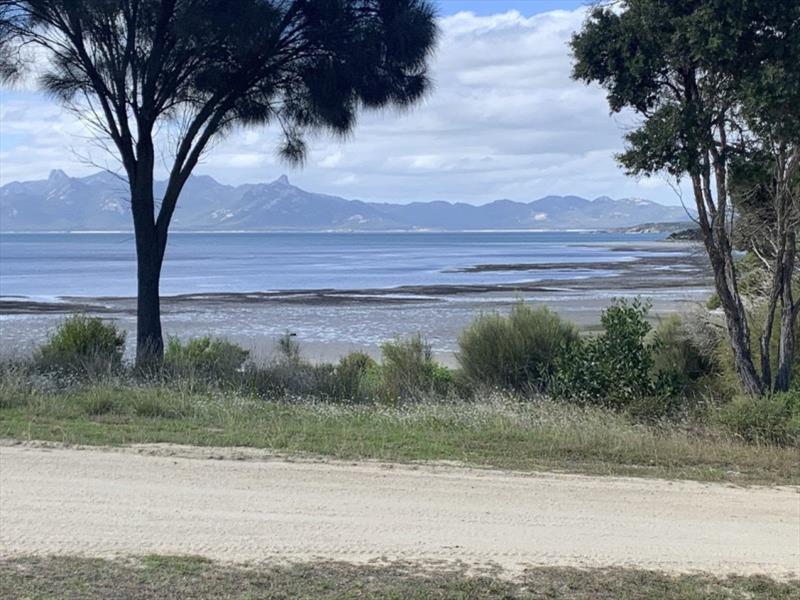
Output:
x=160 y=577
x=498 y=432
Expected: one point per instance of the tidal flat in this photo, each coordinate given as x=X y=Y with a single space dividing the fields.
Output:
x=332 y=321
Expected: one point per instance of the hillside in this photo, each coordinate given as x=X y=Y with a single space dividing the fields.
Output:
x=100 y=202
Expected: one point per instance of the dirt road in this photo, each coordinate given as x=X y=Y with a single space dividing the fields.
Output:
x=175 y=500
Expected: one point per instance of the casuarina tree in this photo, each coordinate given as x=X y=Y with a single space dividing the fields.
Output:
x=167 y=77
x=716 y=84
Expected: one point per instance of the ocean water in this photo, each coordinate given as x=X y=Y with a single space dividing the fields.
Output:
x=585 y=272
x=49 y=266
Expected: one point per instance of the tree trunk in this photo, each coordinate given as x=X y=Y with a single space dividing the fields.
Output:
x=149 y=339
x=735 y=314
x=149 y=257
x=712 y=220
x=775 y=291
x=736 y=321
x=786 y=349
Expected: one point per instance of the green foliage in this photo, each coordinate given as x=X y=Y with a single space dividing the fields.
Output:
x=684 y=64
x=614 y=368
x=678 y=361
x=356 y=378
x=205 y=357
x=83 y=346
x=517 y=352
x=409 y=371
x=771 y=419
x=289 y=380
x=701 y=75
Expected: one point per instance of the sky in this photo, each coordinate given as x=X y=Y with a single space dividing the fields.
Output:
x=503 y=120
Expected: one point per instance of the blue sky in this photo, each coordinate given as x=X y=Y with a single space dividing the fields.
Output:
x=504 y=120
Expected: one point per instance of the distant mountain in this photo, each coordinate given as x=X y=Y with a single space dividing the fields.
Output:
x=100 y=202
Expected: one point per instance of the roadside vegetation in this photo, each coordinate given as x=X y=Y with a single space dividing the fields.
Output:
x=628 y=400
x=154 y=576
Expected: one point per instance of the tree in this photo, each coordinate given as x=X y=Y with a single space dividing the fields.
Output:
x=716 y=83
x=157 y=76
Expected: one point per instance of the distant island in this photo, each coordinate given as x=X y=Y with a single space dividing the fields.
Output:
x=100 y=202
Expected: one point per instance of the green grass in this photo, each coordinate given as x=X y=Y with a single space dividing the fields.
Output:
x=500 y=433
x=158 y=577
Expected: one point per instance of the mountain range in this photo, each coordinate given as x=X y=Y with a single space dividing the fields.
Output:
x=100 y=202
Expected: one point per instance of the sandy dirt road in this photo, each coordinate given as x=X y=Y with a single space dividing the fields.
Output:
x=175 y=500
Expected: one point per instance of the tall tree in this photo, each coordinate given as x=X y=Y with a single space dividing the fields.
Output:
x=148 y=72
x=714 y=81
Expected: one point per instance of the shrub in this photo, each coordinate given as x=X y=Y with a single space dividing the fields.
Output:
x=207 y=358
x=771 y=419
x=350 y=377
x=83 y=346
x=613 y=368
x=517 y=352
x=678 y=360
x=409 y=370
x=281 y=379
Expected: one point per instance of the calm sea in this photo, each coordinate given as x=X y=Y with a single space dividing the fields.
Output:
x=46 y=266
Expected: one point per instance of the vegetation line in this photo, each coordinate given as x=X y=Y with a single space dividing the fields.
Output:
x=152 y=577
x=501 y=432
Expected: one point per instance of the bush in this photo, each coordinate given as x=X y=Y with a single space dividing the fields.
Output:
x=772 y=419
x=614 y=368
x=409 y=370
x=517 y=352
x=84 y=346
x=678 y=360
x=281 y=379
x=353 y=377
x=207 y=358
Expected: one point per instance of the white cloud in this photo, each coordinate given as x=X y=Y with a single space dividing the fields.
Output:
x=331 y=160
x=503 y=121
x=347 y=179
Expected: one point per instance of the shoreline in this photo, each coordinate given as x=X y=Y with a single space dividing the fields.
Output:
x=330 y=322
x=649 y=273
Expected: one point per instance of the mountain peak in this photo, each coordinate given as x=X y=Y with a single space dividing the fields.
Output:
x=207 y=204
x=57 y=175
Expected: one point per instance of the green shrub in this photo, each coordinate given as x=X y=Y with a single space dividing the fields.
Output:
x=517 y=352
x=409 y=370
x=771 y=419
x=611 y=369
x=678 y=360
x=350 y=375
x=84 y=346
x=284 y=380
x=206 y=358
x=443 y=379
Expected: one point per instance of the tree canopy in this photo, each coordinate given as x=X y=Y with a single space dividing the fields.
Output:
x=717 y=86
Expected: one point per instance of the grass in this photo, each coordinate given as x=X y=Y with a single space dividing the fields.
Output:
x=500 y=433
x=157 y=577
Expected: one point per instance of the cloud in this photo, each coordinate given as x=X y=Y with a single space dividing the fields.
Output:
x=331 y=160
x=504 y=120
